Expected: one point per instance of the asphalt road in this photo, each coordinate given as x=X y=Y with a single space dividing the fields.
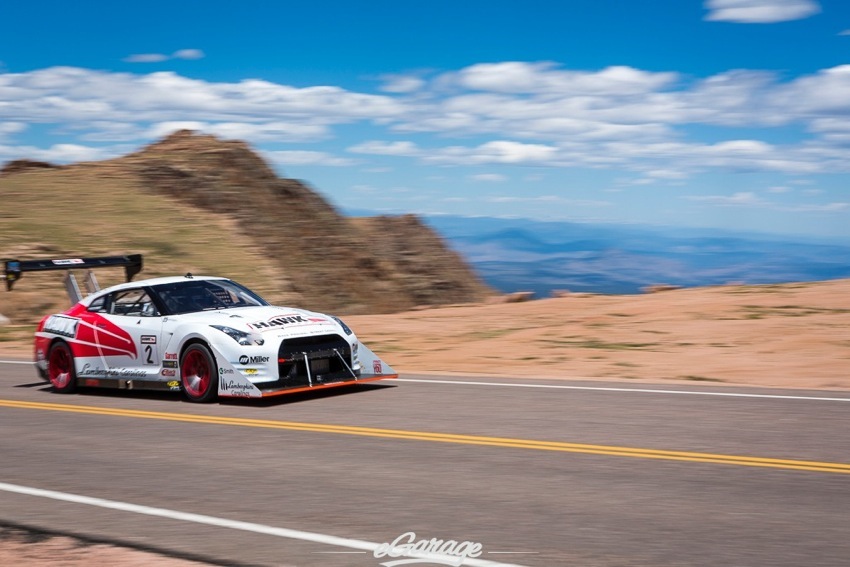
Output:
x=580 y=474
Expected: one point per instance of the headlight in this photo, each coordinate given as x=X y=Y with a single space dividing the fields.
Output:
x=343 y=325
x=241 y=337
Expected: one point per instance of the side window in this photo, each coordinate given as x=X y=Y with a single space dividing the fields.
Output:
x=98 y=305
x=132 y=303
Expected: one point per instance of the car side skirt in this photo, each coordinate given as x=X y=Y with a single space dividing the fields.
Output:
x=130 y=384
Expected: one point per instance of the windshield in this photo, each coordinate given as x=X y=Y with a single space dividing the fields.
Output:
x=205 y=295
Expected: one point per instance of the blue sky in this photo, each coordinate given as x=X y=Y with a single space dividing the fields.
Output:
x=730 y=114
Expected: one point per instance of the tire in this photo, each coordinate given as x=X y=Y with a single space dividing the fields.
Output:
x=199 y=374
x=60 y=368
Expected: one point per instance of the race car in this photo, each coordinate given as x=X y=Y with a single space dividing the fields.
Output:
x=206 y=336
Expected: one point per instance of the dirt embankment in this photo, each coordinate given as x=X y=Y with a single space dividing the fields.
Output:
x=791 y=335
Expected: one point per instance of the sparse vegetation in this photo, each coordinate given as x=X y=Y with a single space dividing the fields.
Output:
x=767 y=288
x=762 y=311
x=693 y=378
x=598 y=344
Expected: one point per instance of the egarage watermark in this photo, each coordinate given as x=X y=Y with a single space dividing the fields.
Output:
x=410 y=549
x=407 y=550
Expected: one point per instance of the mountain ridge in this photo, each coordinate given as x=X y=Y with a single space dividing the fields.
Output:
x=312 y=255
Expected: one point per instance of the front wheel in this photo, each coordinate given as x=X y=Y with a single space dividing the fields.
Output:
x=199 y=374
x=60 y=368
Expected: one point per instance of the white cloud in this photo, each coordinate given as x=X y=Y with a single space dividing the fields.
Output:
x=303 y=157
x=837 y=207
x=7 y=129
x=521 y=77
x=824 y=94
x=77 y=96
x=744 y=198
x=517 y=113
x=401 y=83
x=489 y=177
x=159 y=57
x=733 y=155
x=146 y=58
x=506 y=151
x=750 y=199
x=188 y=54
x=760 y=11
x=498 y=151
x=377 y=147
x=263 y=132
x=668 y=174
x=58 y=153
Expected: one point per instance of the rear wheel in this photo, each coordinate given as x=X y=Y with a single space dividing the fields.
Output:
x=199 y=374
x=60 y=368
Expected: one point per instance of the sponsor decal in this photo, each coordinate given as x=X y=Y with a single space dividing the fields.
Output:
x=250 y=371
x=281 y=321
x=169 y=364
x=245 y=359
x=169 y=372
x=377 y=367
x=68 y=262
x=237 y=389
x=148 y=339
x=91 y=370
x=60 y=325
x=427 y=551
x=170 y=356
x=223 y=371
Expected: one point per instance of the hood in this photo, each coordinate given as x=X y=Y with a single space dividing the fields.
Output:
x=283 y=321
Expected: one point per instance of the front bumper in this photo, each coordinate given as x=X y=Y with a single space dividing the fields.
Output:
x=304 y=364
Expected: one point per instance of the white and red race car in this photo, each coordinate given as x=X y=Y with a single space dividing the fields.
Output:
x=204 y=336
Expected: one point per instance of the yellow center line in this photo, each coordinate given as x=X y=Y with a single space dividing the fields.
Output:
x=610 y=450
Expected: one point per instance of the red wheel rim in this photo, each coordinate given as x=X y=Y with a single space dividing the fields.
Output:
x=196 y=372
x=60 y=367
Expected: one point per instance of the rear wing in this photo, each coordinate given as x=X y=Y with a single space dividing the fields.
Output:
x=14 y=269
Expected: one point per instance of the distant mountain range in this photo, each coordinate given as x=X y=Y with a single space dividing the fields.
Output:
x=523 y=255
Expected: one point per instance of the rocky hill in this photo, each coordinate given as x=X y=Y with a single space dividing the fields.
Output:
x=304 y=251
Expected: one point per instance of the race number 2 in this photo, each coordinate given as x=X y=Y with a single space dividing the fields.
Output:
x=149 y=353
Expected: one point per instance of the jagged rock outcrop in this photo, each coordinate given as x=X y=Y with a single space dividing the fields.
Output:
x=428 y=271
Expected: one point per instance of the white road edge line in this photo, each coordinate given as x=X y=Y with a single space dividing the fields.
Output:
x=225 y=523
x=612 y=389
x=593 y=388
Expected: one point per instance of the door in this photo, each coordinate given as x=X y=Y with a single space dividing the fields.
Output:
x=126 y=329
